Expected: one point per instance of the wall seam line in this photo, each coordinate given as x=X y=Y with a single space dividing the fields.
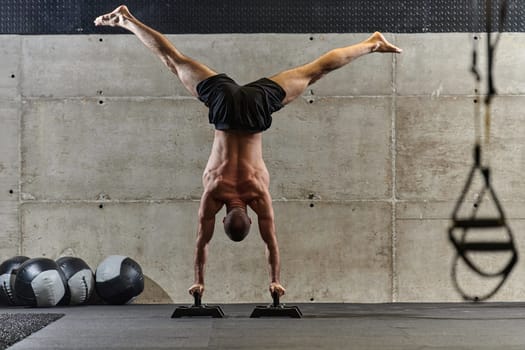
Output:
x=20 y=161
x=394 y=282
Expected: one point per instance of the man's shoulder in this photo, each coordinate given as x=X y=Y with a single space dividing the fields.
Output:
x=218 y=185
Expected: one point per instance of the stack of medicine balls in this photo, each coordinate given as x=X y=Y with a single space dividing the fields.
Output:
x=42 y=282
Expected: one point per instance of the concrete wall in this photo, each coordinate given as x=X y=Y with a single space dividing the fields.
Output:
x=102 y=152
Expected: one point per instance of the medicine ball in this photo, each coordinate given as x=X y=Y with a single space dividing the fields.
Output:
x=40 y=282
x=7 y=296
x=79 y=278
x=119 y=279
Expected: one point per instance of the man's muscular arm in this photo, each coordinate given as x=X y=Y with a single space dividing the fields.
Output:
x=208 y=208
x=263 y=209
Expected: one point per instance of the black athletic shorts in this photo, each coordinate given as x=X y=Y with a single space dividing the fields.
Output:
x=234 y=107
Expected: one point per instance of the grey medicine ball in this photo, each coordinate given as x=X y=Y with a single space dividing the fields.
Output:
x=79 y=277
x=119 y=279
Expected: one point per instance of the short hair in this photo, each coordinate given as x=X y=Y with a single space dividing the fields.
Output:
x=237 y=224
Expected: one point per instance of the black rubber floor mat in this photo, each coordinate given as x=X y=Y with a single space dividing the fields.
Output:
x=15 y=327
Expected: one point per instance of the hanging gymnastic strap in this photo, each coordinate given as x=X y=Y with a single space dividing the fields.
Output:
x=466 y=225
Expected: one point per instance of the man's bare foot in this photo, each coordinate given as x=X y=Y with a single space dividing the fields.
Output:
x=380 y=44
x=277 y=288
x=196 y=288
x=115 y=18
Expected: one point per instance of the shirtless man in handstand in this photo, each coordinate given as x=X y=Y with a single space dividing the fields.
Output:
x=236 y=175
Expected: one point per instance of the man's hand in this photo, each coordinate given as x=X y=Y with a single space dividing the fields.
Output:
x=276 y=287
x=196 y=288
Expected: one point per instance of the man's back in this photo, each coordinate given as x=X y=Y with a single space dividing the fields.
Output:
x=236 y=172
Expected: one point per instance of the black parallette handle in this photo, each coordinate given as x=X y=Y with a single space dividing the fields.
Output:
x=197 y=298
x=275 y=296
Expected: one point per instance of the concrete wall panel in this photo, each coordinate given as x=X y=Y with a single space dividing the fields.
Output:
x=328 y=252
x=507 y=146
x=435 y=139
x=9 y=231
x=509 y=77
x=122 y=149
x=134 y=71
x=9 y=157
x=435 y=64
x=157 y=149
x=424 y=257
x=9 y=177
x=332 y=148
x=109 y=65
x=10 y=51
x=158 y=236
x=434 y=146
x=439 y=64
x=336 y=251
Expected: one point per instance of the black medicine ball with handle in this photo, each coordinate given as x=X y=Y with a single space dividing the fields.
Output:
x=119 y=279
x=7 y=293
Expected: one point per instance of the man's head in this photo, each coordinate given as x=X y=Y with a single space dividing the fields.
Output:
x=237 y=224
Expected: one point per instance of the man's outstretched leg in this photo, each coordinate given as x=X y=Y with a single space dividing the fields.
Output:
x=296 y=80
x=189 y=71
